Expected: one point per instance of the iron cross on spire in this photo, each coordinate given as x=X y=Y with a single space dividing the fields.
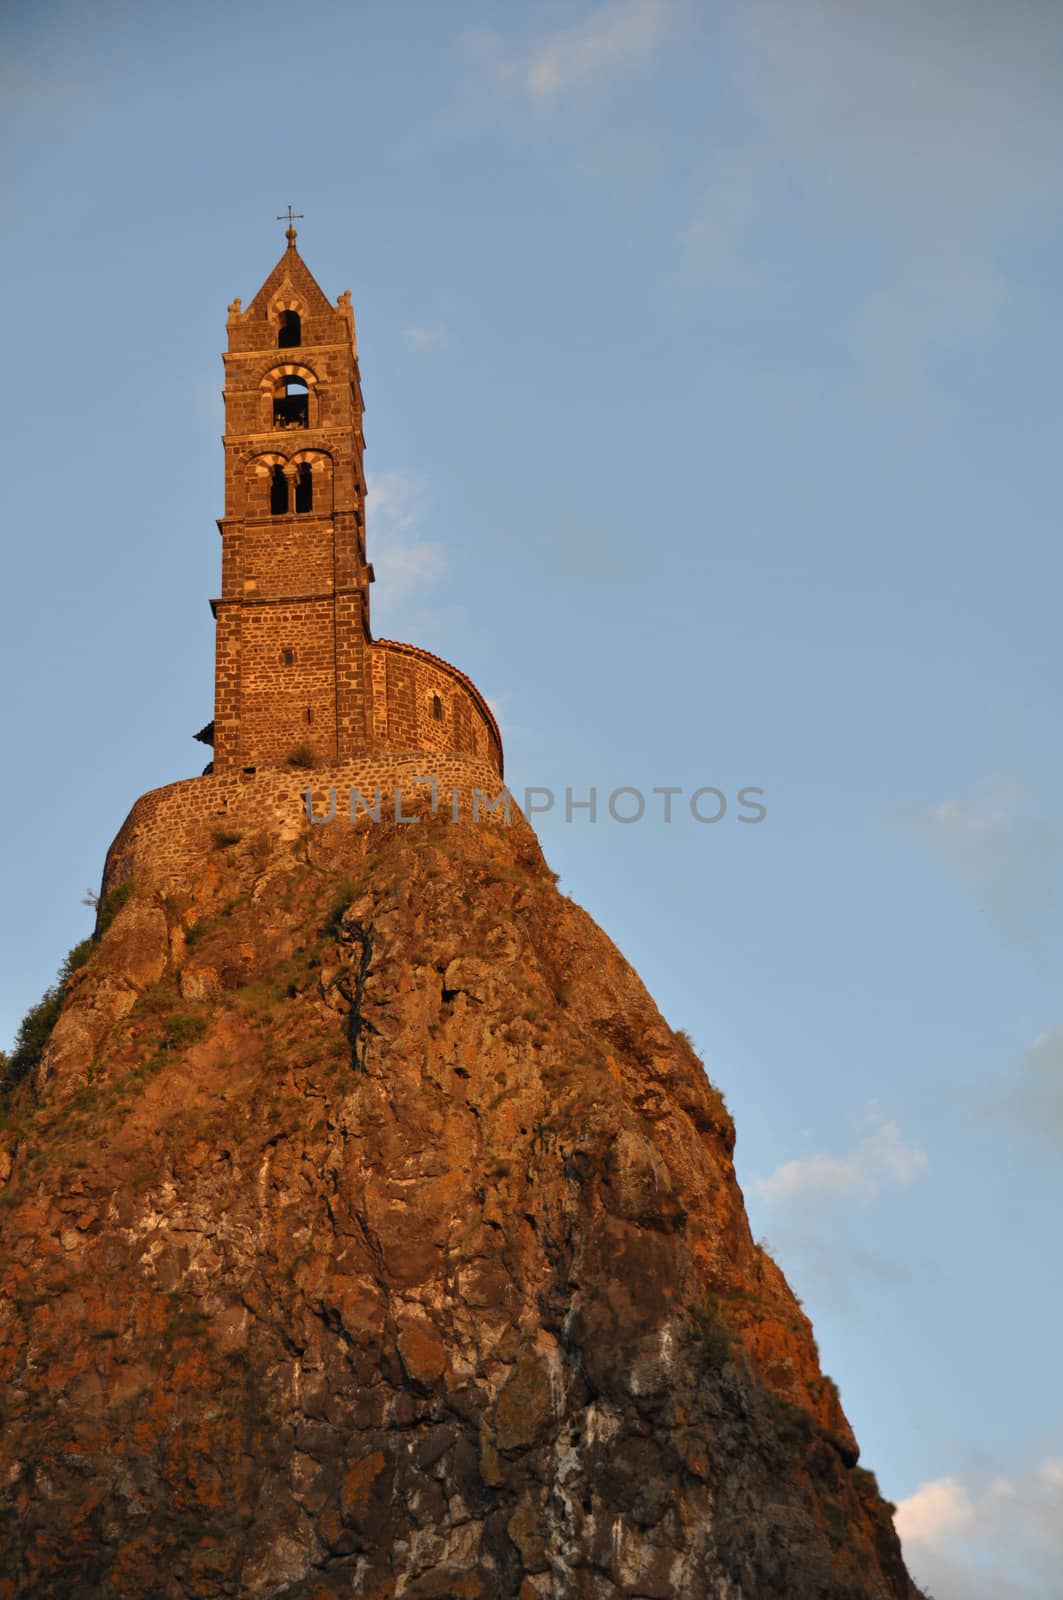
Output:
x=292 y=217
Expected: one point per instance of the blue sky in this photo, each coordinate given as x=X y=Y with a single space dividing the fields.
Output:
x=711 y=356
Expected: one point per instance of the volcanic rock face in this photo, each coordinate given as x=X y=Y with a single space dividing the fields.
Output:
x=368 y=1233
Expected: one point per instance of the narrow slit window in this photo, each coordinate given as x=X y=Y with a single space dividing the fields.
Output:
x=437 y=708
x=290 y=332
x=278 y=493
x=304 y=488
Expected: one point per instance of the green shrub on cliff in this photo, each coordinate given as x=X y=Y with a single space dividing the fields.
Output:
x=182 y=1029
x=35 y=1029
x=108 y=907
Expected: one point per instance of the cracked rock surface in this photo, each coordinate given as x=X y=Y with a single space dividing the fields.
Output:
x=366 y=1232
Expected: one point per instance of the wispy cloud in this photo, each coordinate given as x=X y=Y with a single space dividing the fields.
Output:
x=396 y=502
x=734 y=191
x=396 y=499
x=810 y=1205
x=1030 y=1098
x=880 y=1157
x=584 y=549
x=409 y=565
x=1002 y=1542
x=932 y=122
x=615 y=40
x=924 y=135
x=994 y=840
x=424 y=339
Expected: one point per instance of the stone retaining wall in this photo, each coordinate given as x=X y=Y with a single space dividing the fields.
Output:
x=171 y=831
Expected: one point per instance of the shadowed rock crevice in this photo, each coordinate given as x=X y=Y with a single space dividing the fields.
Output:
x=358 y=941
x=480 y=1318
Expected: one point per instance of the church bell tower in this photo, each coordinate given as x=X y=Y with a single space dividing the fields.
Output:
x=292 y=664
x=299 y=679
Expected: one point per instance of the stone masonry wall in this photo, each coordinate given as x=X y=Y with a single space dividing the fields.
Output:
x=171 y=832
x=286 y=556
x=288 y=687
x=422 y=701
x=299 y=673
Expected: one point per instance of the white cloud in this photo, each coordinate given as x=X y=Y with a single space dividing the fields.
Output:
x=994 y=841
x=1004 y=1542
x=936 y=1511
x=426 y=338
x=881 y=1157
x=613 y=41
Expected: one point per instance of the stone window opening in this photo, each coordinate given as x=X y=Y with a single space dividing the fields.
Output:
x=290 y=332
x=289 y=658
x=291 y=404
x=437 y=709
x=278 y=493
x=304 y=488
x=309 y=715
